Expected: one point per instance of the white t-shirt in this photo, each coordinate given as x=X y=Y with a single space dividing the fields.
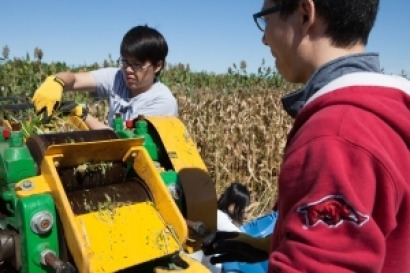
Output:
x=224 y=222
x=156 y=101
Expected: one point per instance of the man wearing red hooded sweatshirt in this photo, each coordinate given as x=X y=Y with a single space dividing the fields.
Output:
x=344 y=186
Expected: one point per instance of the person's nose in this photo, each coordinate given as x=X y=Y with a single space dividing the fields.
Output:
x=264 y=39
x=128 y=69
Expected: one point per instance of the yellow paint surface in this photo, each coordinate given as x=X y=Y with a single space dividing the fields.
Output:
x=118 y=238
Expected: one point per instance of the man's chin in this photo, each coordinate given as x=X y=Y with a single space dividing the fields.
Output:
x=133 y=85
x=280 y=72
x=137 y=89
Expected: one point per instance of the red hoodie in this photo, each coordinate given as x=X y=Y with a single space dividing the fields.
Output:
x=344 y=187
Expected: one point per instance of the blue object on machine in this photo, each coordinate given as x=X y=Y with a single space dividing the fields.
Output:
x=260 y=227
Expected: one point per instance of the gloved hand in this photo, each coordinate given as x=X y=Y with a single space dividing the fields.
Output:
x=236 y=247
x=48 y=94
x=183 y=264
x=74 y=109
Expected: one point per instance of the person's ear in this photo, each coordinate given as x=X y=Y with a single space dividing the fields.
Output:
x=158 y=66
x=308 y=14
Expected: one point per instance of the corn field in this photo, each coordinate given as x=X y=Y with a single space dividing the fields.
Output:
x=236 y=119
x=241 y=138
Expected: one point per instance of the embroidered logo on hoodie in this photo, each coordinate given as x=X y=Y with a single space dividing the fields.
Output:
x=332 y=211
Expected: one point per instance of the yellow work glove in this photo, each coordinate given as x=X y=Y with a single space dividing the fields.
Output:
x=183 y=264
x=48 y=94
x=74 y=109
x=236 y=247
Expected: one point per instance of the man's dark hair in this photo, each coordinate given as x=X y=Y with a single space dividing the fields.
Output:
x=238 y=195
x=348 y=21
x=142 y=43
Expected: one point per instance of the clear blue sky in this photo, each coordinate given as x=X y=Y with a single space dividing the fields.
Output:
x=209 y=35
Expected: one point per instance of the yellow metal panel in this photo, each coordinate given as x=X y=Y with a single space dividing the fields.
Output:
x=118 y=238
x=199 y=189
x=73 y=236
x=163 y=201
x=39 y=186
x=81 y=152
x=179 y=145
x=104 y=241
x=78 y=123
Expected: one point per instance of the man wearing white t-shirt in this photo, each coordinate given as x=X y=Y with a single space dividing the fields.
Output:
x=132 y=89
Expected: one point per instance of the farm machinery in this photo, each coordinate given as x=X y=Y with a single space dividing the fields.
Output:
x=124 y=200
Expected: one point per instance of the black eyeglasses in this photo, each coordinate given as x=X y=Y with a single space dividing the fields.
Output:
x=123 y=63
x=258 y=17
